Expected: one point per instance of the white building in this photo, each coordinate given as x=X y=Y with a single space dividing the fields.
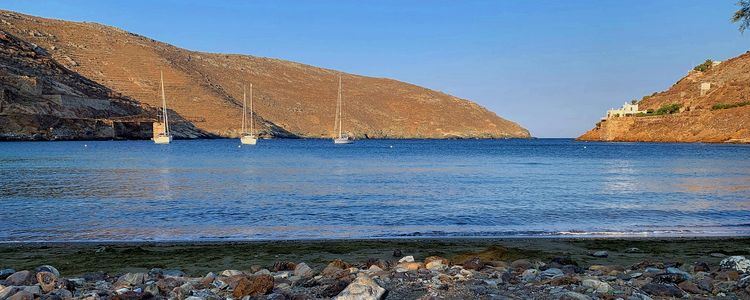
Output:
x=626 y=110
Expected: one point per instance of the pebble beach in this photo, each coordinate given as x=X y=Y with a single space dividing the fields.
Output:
x=676 y=268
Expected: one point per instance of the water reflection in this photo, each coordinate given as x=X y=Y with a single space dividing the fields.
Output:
x=310 y=189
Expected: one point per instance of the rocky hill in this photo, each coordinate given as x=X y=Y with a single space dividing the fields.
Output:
x=291 y=99
x=711 y=104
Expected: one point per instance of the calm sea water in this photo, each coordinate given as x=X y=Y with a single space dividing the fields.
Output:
x=299 y=189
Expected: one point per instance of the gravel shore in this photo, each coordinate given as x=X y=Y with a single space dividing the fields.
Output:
x=691 y=268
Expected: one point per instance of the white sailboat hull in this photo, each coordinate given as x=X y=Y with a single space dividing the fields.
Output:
x=342 y=141
x=248 y=140
x=164 y=139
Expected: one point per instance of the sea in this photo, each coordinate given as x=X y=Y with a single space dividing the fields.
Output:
x=219 y=190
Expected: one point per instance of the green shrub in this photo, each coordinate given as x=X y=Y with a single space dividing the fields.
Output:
x=668 y=109
x=705 y=66
x=731 y=105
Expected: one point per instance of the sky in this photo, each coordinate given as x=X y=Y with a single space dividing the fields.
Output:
x=553 y=66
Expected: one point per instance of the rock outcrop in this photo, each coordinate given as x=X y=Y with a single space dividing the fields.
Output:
x=713 y=106
x=42 y=100
x=205 y=89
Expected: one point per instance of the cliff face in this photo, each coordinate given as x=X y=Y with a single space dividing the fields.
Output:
x=718 y=113
x=42 y=100
x=291 y=99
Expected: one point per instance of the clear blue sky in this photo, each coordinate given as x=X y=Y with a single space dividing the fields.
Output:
x=552 y=66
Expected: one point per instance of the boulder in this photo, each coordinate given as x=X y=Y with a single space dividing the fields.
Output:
x=362 y=288
x=254 y=285
x=736 y=263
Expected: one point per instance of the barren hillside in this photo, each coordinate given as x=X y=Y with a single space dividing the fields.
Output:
x=291 y=98
x=720 y=114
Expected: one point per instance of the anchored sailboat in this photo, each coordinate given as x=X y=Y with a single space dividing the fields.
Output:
x=161 y=127
x=342 y=138
x=247 y=138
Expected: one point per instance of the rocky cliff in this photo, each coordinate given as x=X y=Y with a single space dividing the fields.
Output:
x=205 y=89
x=711 y=105
x=42 y=100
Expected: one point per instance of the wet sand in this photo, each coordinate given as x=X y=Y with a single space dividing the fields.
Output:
x=198 y=258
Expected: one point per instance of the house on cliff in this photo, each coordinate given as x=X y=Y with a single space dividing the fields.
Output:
x=628 y=109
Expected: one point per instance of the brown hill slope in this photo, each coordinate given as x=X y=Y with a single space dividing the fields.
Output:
x=720 y=114
x=205 y=88
x=42 y=100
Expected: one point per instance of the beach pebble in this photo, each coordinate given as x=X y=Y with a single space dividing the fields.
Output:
x=551 y=273
x=62 y=293
x=362 y=288
x=662 y=290
x=303 y=270
x=130 y=279
x=229 y=273
x=475 y=263
x=596 y=285
x=600 y=254
x=253 y=285
x=46 y=280
x=737 y=263
x=570 y=295
x=19 y=278
x=406 y=259
x=8 y=291
x=4 y=273
x=529 y=275
x=48 y=268
x=22 y=295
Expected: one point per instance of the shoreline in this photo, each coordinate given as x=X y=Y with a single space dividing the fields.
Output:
x=196 y=257
x=488 y=268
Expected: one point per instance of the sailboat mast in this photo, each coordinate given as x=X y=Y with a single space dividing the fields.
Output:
x=164 y=104
x=244 y=109
x=251 y=109
x=340 y=112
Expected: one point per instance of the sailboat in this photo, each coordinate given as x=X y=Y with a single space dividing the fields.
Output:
x=247 y=138
x=341 y=138
x=161 y=127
